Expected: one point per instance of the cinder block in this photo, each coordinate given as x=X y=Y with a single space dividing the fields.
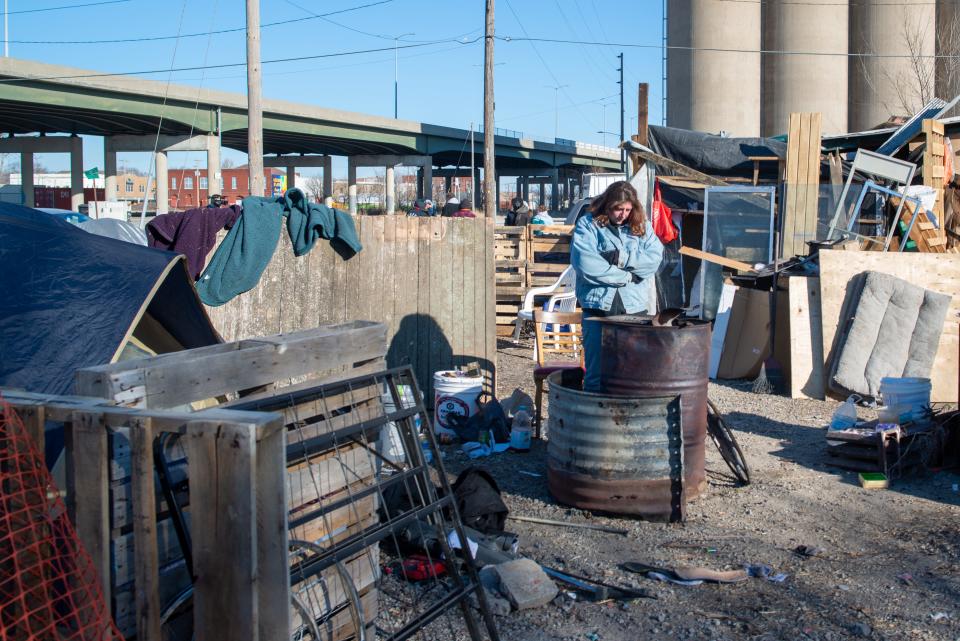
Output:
x=525 y=584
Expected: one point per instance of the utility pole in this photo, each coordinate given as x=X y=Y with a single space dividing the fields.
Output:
x=473 y=166
x=254 y=101
x=489 y=166
x=623 y=162
x=6 y=29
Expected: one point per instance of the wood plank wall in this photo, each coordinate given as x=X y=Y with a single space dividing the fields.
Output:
x=802 y=183
x=429 y=280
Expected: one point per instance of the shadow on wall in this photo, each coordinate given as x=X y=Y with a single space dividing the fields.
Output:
x=421 y=343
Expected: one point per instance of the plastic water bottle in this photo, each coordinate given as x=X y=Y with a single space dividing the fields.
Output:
x=520 y=430
x=846 y=415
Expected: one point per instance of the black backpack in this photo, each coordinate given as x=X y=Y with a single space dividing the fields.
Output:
x=479 y=502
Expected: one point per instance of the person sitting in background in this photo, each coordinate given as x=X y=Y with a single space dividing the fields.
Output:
x=453 y=204
x=417 y=209
x=613 y=251
x=465 y=209
x=428 y=208
x=542 y=217
x=519 y=214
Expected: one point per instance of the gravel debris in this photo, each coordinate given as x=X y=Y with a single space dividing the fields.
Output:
x=867 y=539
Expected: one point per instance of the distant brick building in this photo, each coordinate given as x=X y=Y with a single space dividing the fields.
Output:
x=190 y=188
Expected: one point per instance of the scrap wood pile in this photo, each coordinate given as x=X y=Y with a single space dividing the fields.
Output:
x=767 y=237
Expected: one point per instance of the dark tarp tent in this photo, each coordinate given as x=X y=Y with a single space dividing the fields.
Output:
x=71 y=299
x=715 y=155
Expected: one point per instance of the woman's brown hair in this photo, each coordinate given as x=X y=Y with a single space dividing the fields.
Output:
x=617 y=193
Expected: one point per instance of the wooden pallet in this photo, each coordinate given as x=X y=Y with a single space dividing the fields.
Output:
x=933 y=167
x=264 y=368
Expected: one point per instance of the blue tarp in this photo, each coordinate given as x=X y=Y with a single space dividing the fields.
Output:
x=69 y=299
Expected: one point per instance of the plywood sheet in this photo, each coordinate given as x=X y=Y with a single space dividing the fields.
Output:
x=937 y=272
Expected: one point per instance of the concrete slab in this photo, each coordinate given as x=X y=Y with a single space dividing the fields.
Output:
x=525 y=584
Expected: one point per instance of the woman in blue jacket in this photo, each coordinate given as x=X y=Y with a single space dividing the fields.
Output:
x=614 y=251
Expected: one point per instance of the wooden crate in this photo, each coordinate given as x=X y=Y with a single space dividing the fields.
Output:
x=235 y=459
x=531 y=256
x=271 y=371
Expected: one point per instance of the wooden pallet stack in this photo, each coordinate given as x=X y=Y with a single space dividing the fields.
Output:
x=531 y=256
x=212 y=376
x=510 y=254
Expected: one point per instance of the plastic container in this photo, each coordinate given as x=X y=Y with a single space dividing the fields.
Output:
x=904 y=399
x=389 y=443
x=454 y=393
x=846 y=415
x=520 y=431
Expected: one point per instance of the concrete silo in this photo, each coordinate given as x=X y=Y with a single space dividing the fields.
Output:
x=882 y=87
x=948 y=44
x=809 y=83
x=714 y=90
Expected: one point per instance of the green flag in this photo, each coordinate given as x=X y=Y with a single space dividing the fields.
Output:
x=92 y=174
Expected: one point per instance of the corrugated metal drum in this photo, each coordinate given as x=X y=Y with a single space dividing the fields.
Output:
x=641 y=359
x=611 y=453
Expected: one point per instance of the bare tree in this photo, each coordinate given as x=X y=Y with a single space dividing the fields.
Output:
x=314 y=187
x=226 y=163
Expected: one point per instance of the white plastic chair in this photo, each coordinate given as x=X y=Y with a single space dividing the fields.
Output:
x=563 y=298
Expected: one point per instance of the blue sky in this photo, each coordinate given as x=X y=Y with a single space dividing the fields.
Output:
x=440 y=82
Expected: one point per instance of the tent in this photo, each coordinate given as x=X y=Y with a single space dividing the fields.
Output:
x=71 y=299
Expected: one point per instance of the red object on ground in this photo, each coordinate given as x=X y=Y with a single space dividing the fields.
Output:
x=418 y=567
x=48 y=588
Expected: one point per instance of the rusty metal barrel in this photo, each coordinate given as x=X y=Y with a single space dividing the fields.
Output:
x=612 y=453
x=640 y=359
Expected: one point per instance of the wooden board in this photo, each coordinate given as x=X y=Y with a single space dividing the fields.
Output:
x=933 y=167
x=937 y=272
x=802 y=187
x=806 y=339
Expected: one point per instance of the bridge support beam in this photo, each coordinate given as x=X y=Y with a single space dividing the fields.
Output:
x=26 y=178
x=389 y=162
x=352 y=187
x=554 y=189
x=27 y=146
x=290 y=164
x=391 y=189
x=76 y=173
x=110 y=175
x=162 y=144
x=163 y=183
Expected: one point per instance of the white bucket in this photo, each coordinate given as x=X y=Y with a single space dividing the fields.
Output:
x=904 y=399
x=456 y=394
x=390 y=445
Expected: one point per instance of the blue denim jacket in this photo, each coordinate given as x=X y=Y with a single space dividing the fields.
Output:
x=597 y=280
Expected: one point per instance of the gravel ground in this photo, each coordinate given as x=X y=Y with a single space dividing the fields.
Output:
x=890 y=566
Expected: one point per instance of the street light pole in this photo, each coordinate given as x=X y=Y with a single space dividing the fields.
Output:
x=556 y=107
x=396 y=71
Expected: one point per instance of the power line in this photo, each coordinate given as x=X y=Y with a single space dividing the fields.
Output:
x=725 y=50
x=198 y=34
x=67 y=6
x=541 y=58
x=235 y=64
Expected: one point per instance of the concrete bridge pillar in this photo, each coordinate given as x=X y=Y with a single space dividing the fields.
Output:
x=76 y=173
x=327 y=176
x=292 y=176
x=391 y=189
x=109 y=172
x=554 y=190
x=427 y=181
x=352 y=185
x=526 y=189
x=447 y=184
x=163 y=182
x=214 y=177
x=26 y=178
